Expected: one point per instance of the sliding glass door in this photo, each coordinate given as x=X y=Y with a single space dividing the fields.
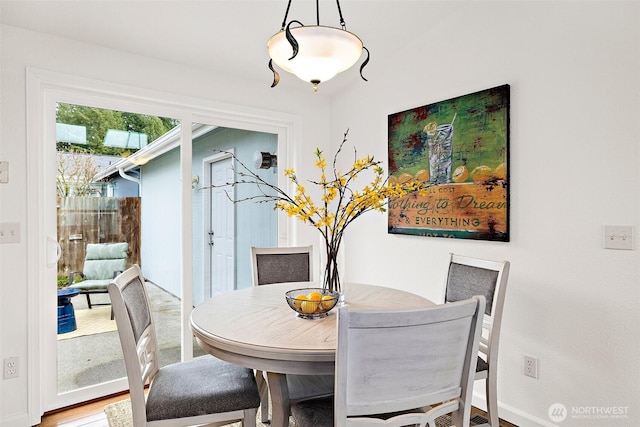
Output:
x=147 y=198
x=106 y=221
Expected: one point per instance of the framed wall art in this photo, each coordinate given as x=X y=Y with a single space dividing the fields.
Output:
x=459 y=150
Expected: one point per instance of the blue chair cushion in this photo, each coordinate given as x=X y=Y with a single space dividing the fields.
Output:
x=204 y=385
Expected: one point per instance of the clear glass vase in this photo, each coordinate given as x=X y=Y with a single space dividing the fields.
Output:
x=331 y=275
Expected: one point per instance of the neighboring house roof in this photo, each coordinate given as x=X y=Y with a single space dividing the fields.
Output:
x=163 y=144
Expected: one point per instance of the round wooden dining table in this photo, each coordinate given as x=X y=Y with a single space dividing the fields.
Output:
x=254 y=327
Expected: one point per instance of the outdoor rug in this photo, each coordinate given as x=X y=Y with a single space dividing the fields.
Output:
x=119 y=415
x=91 y=321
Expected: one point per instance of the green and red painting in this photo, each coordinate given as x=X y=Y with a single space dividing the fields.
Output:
x=459 y=150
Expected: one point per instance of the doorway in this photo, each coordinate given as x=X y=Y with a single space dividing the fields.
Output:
x=44 y=90
x=99 y=206
x=220 y=217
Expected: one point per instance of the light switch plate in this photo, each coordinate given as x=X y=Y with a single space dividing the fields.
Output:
x=9 y=232
x=618 y=237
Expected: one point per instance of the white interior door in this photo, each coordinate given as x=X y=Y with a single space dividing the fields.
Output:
x=221 y=227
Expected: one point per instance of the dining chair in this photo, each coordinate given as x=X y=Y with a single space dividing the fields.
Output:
x=400 y=367
x=283 y=265
x=469 y=276
x=204 y=390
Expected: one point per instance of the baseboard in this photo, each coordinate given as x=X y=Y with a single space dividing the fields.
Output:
x=510 y=414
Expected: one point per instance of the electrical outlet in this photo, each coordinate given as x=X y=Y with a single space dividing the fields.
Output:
x=531 y=366
x=11 y=367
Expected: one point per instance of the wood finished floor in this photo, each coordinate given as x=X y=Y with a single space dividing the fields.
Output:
x=92 y=415
x=89 y=414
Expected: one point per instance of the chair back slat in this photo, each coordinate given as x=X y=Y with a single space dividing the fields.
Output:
x=132 y=312
x=280 y=265
x=405 y=359
x=468 y=276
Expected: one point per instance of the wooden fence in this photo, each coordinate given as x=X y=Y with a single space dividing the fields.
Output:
x=83 y=220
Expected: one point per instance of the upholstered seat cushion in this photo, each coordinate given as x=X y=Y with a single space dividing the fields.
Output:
x=204 y=385
x=91 y=285
x=319 y=413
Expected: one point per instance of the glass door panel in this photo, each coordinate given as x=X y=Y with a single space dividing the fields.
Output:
x=224 y=231
x=103 y=157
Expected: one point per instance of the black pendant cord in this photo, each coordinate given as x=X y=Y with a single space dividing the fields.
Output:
x=342 y=23
x=286 y=13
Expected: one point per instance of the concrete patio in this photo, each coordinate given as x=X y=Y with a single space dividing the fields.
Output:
x=94 y=358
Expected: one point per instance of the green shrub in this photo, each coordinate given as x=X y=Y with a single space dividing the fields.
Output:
x=63 y=281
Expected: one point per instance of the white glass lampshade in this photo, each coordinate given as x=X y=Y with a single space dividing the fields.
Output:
x=323 y=52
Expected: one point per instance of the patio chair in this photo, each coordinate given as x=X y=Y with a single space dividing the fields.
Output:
x=474 y=276
x=280 y=265
x=400 y=367
x=205 y=390
x=102 y=262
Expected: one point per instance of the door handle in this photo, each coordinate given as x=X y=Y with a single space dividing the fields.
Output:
x=52 y=263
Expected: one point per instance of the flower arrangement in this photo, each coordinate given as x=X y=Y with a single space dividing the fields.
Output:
x=341 y=203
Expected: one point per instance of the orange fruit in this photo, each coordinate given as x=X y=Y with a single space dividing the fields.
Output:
x=460 y=174
x=297 y=301
x=309 y=307
x=500 y=172
x=328 y=302
x=430 y=128
x=314 y=296
x=404 y=178
x=422 y=175
x=482 y=174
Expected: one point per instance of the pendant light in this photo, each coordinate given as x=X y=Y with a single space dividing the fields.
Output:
x=314 y=53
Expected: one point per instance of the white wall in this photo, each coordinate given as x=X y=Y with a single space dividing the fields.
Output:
x=20 y=49
x=160 y=230
x=573 y=68
x=574 y=72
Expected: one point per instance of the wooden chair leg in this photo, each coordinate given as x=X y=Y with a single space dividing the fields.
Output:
x=249 y=418
x=263 y=389
x=492 y=399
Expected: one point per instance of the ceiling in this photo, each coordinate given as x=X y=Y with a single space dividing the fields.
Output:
x=225 y=36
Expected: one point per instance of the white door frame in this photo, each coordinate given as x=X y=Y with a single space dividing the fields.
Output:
x=44 y=89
